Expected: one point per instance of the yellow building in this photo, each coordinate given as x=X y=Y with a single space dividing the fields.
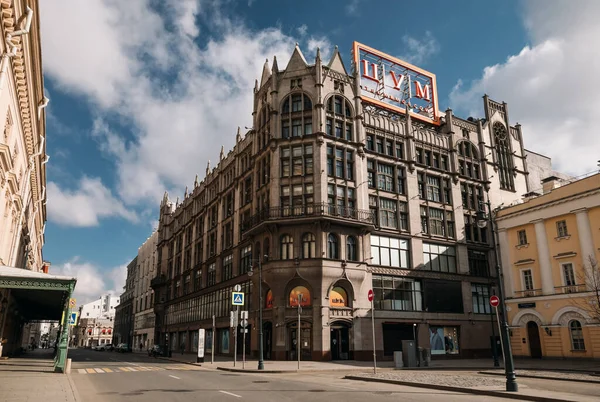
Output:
x=550 y=248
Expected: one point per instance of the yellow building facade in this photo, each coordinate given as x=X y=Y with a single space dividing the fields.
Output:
x=550 y=248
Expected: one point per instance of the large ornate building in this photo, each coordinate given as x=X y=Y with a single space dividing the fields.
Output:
x=143 y=296
x=347 y=182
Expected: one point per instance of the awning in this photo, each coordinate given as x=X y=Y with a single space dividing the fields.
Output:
x=39 y=296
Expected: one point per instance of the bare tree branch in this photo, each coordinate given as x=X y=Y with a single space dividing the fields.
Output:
x=590 y=276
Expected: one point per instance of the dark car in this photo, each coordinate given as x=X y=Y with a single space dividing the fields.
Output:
x=155 y=350
x=123 y=348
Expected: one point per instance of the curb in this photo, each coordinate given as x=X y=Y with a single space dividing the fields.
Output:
x=497 y=394
x=76 y=395
x=180 y=361
x=255 y=371
x=544 y=378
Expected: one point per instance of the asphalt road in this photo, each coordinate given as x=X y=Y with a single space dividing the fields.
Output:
x=116 y=377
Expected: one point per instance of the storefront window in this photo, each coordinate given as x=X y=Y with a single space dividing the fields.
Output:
x=209 y=340
x=269 y=299
x=443 y=340
x=294 y=296
x=225 y=340
x=194 y=345
x=338 y=297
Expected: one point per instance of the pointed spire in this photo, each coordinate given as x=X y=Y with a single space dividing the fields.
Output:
x=297 y=60
x=266 y=74
x=222 y=154
x=165 y=198
x=186 y=192
x=318 y=58
x=275 y=68
x=336 y=62
x=255 y=85
x=208 y=167
x=196 y=181
x=177 y=202
x=238 y=137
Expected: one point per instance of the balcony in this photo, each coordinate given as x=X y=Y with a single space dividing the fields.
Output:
x=158 y=281
x=570 y=289
x=528 y=293
x=350 y=215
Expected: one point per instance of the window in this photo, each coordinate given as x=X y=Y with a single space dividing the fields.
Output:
x=481 y=299
x=504 y=157
x=296 y=161
x=287 y=247
x=198 y=279
x=338 y=297
x=439 y=258
x=568 y=274
x=308 y=245
x=389 y=251
x=339 y=110
x=432 y=158
x=301 y=110
x=212 y=274
x=474 y=233
x=340 y=163
x=433 y=188
x=576 y=332
x=395 y=293
x=387 y=213
x=333 y=251
x=370 y=142
x=468 y=161
x=472 y=196
x=478 y=264
x=386 y=177
x=227 y=268
x=341 y=200
x=437 y=222
x=522 y=237
x=245 y=259
x=561 y=229
x=299 y=292
x=527 y=281
x=351 y=252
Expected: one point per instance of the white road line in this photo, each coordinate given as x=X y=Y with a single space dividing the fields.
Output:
x=172 y=376
x=99 y=370
x=229 y=393
x=82 y=371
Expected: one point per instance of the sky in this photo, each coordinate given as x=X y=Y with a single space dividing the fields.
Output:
x=144 y=93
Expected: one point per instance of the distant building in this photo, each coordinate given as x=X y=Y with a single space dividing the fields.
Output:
x=103 y=307
x=550 y=248
x=93 y=332
x=123 y=329
x=143 y=295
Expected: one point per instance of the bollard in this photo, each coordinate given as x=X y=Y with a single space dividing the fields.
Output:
x=68 y=367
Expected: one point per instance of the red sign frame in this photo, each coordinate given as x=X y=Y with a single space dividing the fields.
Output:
x=494 y=301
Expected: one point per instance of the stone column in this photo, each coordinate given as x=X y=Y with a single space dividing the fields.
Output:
x=507 y=269
x=585 y=241
x=544 y=257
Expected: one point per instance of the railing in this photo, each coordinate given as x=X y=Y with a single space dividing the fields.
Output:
x=570 y=289
x=309 y=210
x=528 y=293
x=158 y=280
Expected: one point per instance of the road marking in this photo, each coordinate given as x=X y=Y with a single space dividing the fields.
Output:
x=229 y=393
x=91 y=371
x=82 y=371
x=106 y=369
x=172 y=376
x=124 y=368
x=99 y=371
x=132 y=369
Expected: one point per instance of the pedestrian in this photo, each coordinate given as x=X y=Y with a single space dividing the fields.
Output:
x=182 y=347
x=141 y=346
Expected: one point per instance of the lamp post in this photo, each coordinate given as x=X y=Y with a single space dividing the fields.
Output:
x=509 y=367
x=261 y=363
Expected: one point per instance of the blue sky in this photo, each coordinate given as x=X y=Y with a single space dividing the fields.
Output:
x=143 y=93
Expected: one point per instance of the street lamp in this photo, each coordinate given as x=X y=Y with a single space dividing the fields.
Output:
x=261 y=363
x=509 y=366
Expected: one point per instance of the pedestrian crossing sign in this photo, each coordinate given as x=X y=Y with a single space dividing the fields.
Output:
x=237 y=298
x=73 y=319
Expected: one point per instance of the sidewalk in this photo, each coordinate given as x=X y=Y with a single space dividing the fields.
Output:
x=31 y=379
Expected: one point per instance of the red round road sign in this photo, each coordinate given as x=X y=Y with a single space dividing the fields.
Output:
x=494 y=301
x=370 y=295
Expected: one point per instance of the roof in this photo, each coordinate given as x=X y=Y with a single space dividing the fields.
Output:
x=11 y=272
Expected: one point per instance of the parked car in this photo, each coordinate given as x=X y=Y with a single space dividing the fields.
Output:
x=123 y=348
x=106 y=346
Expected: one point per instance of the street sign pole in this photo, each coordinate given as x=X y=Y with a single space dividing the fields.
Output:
x=370 y=295
x=499 y=329
x=212 y=342
x=244 y=323
x=235 y=337
x=298 y=331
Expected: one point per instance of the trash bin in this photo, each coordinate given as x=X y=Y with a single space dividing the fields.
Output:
x=426 y=357
x=398 y=363
x=409 y=353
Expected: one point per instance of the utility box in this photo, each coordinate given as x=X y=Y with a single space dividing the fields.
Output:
x=409 y=353
x=398 y=363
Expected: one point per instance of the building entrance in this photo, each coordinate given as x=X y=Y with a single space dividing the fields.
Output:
x=340 y=341
x=305 y=341
x=533 y=335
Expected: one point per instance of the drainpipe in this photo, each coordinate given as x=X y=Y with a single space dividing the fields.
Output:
x=11 y=48
x=42 y=105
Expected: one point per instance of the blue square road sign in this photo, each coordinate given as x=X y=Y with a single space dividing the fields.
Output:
x=237 y=298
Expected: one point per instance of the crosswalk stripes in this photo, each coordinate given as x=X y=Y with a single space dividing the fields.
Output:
x=105 y=370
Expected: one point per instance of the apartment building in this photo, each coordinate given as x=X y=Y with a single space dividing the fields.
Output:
x=143 y=297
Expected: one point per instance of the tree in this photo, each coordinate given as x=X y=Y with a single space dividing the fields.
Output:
x=591 y=278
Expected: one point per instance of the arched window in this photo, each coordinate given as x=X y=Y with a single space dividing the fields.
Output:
x=504 y=157
x=339 y=118
x=287 y=247
x=296 y=116
x=269 y=299
x=338 y=297
x=576 y=333
x=305 y=298
x=351 y=252
x=468 y=160
x=332 y=247
x=308 y=245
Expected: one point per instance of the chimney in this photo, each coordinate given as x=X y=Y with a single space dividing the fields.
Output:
x=550 y=183
x=45 y=267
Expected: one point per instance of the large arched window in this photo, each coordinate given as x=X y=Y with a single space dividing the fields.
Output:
x=338 y=297
x=504 y=157
x=308 y=245
x=468 y=160
x=351 y=250
x=305 y=298
x=333 y=250
x=576 y=333
x=339 y=118
x=287 y=247
x=269 y=299
x=296 y=116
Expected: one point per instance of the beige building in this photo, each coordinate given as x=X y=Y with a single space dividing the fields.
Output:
x=93 y=332
x=143 y=298
x=336 y=195
x=22 y=153
x=550 y=248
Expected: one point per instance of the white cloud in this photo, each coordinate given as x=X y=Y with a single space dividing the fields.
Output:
x=92 y=282
x=550 y=86
x=418 y=50
x=182 y=101
x=352 y=6
x=323 y=44
x=85 y=205
x=302 y=29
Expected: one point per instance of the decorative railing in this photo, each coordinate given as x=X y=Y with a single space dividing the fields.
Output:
x=309 y=210
x=570 y=289
x=528 y=293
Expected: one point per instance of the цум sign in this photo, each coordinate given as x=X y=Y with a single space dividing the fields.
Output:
x=201 y=334
x=394 y=84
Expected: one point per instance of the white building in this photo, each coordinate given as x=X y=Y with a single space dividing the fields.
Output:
x=103 y=307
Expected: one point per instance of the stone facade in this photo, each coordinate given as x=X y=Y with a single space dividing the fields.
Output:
x=330 y=197
x=124 y=318
x=143 y=297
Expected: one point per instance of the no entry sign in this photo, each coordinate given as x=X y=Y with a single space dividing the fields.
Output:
x=494 y=301
x=370 y=295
